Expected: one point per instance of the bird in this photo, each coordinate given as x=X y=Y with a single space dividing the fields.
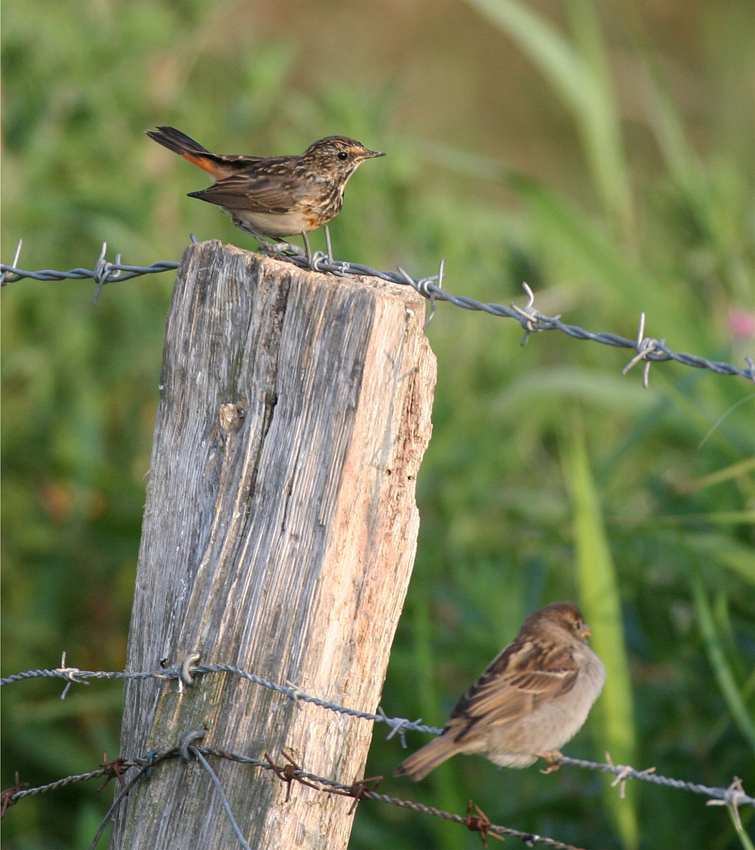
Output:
x=533 y=697
x=275 y=196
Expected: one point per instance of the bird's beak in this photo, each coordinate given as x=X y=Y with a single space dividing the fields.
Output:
x=585 y=630
x=371 y=154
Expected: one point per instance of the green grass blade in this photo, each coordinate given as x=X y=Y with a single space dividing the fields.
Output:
x=734 y=470
x=736 y=820
x=721 y=669
x=601 y=605
x=663 y=115
x=544 y=44
x=720 y=548
x=580 y=74
x=601 y=116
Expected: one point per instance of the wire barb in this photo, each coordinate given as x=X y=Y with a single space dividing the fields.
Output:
x=398 y=725
x=12 y=270
x=293 y=695
x=646 y=346
x=105 y=271
x=530 y=318
x=9 y=797
x=359 y=790
x=480 y=823
x=113 y=769
x=69 y=673
x=733 y=796
x=288 y=773
x=624 y=772
x=145 y=772
x=432 y=292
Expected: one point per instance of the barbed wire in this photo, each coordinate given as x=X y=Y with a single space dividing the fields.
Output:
x=103 y=273
x=647 y=349
x=287 y=773
x=734 y=795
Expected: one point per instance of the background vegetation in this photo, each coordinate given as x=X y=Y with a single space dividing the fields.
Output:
x=601 y=152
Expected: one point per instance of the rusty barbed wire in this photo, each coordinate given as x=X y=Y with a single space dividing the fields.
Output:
x=647 y=349
x=734 y=795
x=286 y=773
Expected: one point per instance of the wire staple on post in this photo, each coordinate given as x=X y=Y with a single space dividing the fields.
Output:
x=186 y=740
x=185 y=676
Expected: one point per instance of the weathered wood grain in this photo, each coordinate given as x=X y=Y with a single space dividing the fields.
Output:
x=279 y=535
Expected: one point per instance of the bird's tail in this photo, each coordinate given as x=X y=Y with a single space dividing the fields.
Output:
x=178 y=142
x=418 y=765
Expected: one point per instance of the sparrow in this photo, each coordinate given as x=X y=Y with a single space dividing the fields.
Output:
x=274 y=196
x=532 y=699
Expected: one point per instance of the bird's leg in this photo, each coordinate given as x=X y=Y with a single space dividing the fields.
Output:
x=307 y=247
x=314 y=258
x=552 y=757
x=263 y=243
x=328 y=244
x=268 y=247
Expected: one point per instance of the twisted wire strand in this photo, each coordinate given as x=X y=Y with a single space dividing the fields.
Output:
x=326 y=785
x=127 y=272
x=431 y=288
x=399 y=725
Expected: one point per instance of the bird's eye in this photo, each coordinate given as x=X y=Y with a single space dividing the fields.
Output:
x=342 y=155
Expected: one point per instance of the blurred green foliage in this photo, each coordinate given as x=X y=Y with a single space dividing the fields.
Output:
x=548 y=476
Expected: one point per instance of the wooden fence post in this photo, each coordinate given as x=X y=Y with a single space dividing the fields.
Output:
x=279 y=535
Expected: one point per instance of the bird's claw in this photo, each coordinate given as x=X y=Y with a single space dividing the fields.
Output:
x=552 y=757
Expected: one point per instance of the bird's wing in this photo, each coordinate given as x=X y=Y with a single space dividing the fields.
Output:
x=525 y=675
x=264 y=193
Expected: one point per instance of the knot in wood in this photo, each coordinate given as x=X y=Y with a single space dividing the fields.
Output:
x=230 y=417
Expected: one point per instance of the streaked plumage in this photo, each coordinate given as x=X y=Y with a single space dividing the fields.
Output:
x=275 y=196
x=532 y=699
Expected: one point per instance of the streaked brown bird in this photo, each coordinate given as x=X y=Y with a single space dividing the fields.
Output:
x=274 y=196
x=533 y=698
